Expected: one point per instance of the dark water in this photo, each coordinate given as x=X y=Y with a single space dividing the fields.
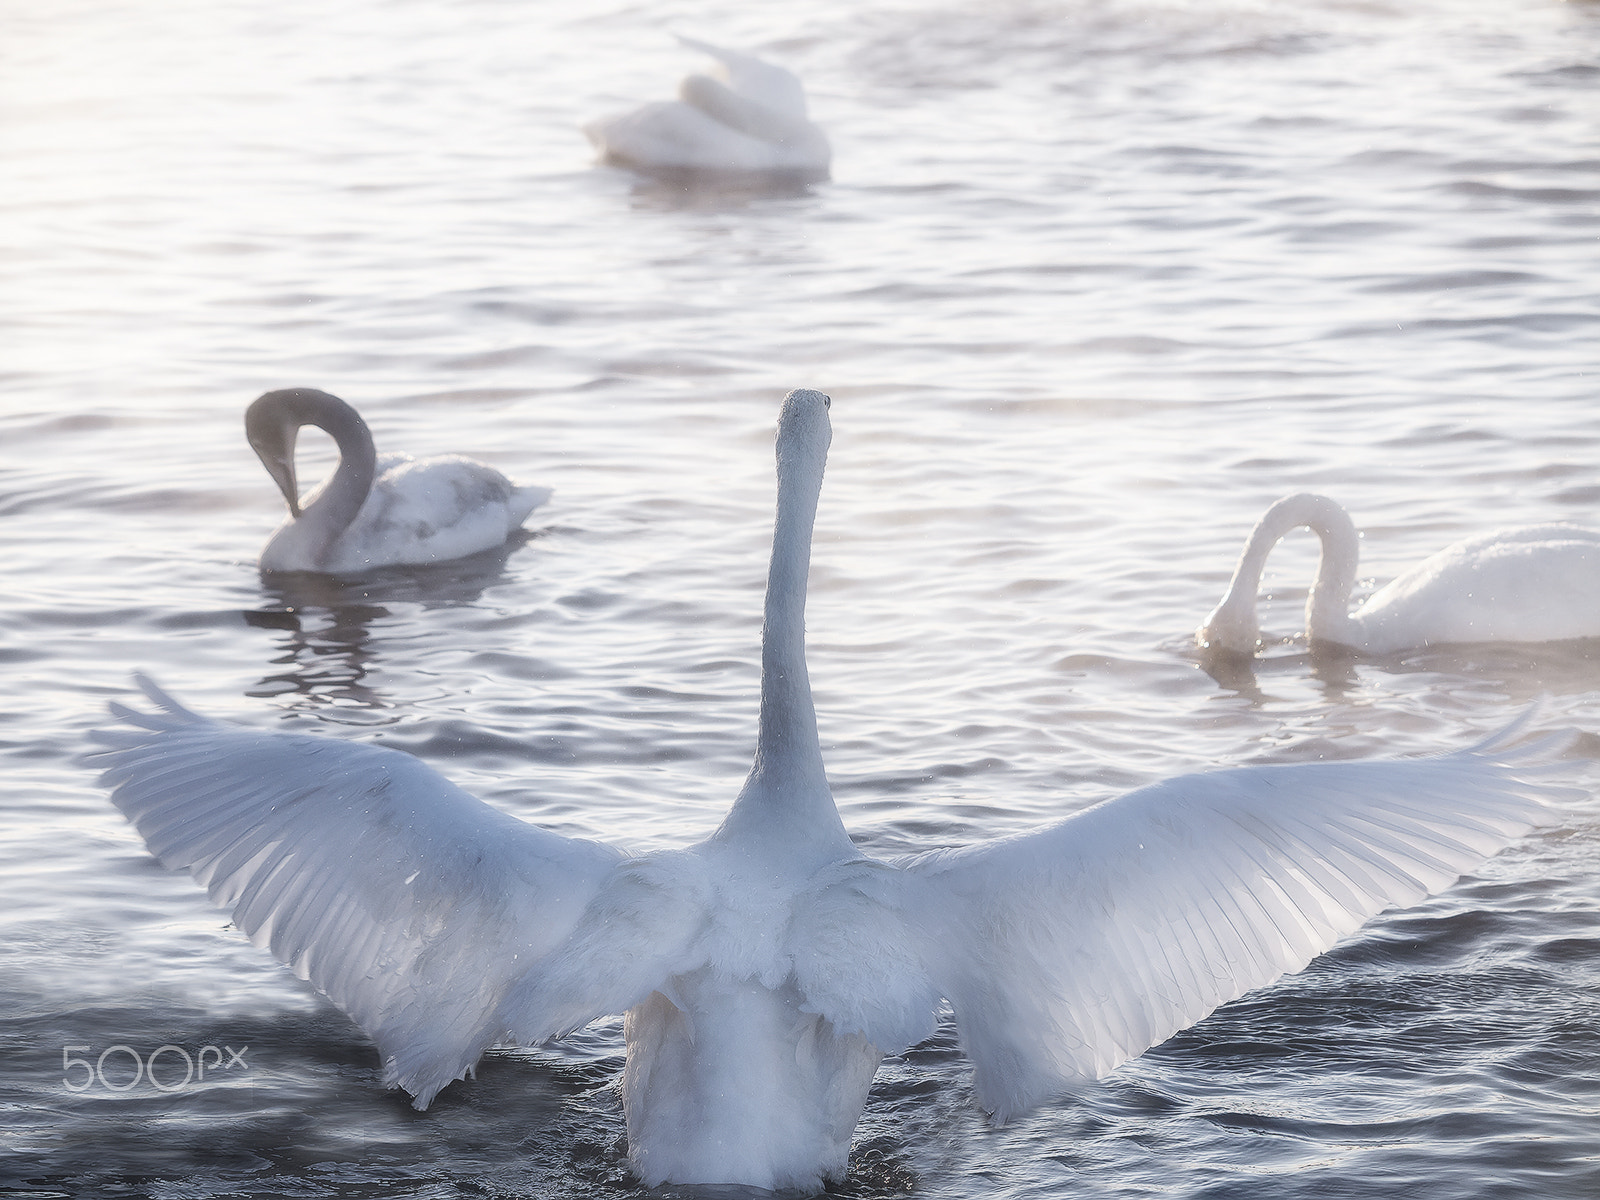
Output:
x=1092 y=285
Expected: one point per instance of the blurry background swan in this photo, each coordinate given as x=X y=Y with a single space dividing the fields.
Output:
x=1096 y=282
x=744 y=122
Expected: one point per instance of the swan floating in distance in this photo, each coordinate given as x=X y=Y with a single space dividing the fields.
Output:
x=1535 y=584
x=376 y=510
x=766 y=970
x=748 y=118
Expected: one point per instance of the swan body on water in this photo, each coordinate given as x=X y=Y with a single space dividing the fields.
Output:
x=765 y=971
x=747 y=118
x=376 y=510
x=1534 y=584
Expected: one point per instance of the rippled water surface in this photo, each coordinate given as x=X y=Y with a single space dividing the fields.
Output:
x=1093 y=283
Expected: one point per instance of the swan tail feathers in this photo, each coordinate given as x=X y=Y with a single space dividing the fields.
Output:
x=523 y=500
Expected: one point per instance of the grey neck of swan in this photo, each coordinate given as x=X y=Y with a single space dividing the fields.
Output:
x=335 y=503
x=1327 y=607
x=786 y=794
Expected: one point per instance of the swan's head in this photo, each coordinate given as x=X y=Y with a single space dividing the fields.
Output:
x=804 y=432
x=1231 y=629
x=272 y=424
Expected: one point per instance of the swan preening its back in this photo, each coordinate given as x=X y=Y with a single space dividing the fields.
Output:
x=1535 y=584
x=766 y=970
x=376 y=510
x=747 y=119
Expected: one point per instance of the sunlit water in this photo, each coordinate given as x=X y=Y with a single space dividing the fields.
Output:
x=1092 y=285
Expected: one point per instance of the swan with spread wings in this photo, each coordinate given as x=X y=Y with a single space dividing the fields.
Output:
x=766 y=970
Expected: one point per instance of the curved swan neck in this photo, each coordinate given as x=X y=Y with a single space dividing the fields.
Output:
x=1328 y=606
x=747 y=115
x=1232 y=625
x=273 y=424
x=787 y=788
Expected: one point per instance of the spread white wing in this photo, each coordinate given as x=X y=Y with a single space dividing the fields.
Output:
x=415 y=907
x=1067 y=951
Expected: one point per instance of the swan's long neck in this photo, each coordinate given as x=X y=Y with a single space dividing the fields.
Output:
x=334 y=505
x=786 y=802
x=788 y=728
x=1232 y=625
x=743 y=113
x=272 y=424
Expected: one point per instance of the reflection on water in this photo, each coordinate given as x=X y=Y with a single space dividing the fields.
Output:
x=330 y=647
x=1331 y=665
x=1515 y=672
x=325 y=655
x=710 y=191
